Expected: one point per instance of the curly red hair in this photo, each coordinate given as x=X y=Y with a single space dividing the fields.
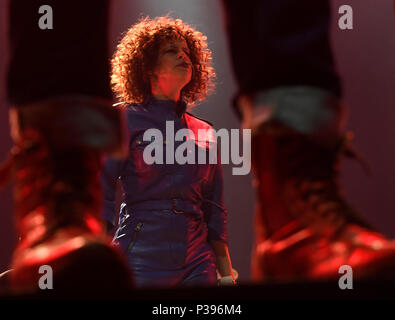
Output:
x=137 y=53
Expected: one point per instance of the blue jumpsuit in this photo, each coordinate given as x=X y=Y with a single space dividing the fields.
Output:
x=170 y=212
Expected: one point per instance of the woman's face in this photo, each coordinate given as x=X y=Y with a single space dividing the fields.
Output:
x=174 y=68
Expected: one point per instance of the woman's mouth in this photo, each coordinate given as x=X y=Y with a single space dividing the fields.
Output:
x=184 y=65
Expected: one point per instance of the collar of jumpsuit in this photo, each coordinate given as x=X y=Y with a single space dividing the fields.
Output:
x=179 y=107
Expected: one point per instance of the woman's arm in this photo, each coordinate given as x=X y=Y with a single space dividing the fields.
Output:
x=109 y=177
x=216 y=218
x=224 y=264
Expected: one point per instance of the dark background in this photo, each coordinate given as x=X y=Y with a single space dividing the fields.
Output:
x=365 y=60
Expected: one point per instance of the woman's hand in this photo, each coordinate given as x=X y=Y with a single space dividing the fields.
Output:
x=224 y=264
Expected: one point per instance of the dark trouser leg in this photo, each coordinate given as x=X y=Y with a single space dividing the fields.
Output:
x=70 y=59
x=280 y=43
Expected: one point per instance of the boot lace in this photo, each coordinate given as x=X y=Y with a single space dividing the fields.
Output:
x=312 y=192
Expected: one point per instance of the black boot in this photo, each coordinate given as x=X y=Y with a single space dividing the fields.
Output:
x=56 y=161
x=305 y=229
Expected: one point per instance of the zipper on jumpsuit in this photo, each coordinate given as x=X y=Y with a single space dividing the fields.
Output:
x=133 y=240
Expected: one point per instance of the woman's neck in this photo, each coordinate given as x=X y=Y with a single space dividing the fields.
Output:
x=162 y=93
x=170 y=97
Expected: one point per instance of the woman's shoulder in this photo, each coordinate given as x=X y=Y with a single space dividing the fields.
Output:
x=136 y=113
x=197 y=121
x=130 y=107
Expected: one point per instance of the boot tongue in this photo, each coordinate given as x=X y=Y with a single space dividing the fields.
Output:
x=90 y=123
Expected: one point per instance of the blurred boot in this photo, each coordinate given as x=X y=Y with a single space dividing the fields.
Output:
x=56 y=161
x=305 y=229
